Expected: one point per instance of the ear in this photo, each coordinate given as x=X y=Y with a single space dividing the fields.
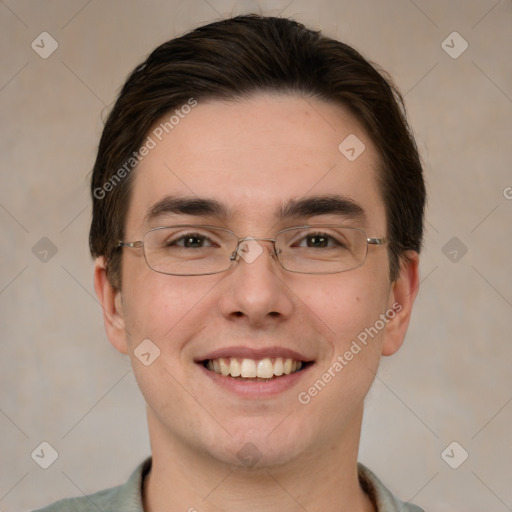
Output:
x=111 y=303
x=401 y=299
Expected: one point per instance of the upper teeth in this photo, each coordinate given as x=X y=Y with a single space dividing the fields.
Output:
x=251 y=368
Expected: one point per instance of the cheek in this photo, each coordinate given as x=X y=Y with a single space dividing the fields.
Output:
x=151 y=309
x=346 y=304
x=158 y=312
x=167 y=310
x=351 y=311
x=153 y=303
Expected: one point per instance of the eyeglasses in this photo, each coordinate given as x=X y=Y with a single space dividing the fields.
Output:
x=189 y=250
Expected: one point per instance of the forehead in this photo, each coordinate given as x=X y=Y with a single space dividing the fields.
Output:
x=256 y=155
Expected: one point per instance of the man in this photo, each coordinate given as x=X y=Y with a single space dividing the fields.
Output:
x=257 y=218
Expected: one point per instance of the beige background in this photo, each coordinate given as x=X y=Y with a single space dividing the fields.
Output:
x=62 y=382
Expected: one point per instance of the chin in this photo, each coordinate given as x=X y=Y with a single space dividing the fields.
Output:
x=254 y=449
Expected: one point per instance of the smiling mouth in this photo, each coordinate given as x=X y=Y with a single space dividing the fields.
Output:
x=256 y=370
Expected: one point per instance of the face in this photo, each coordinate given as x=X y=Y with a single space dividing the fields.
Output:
x=255 y=161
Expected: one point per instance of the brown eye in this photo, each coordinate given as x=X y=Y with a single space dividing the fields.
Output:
x=193 y=241
x=317 y=241
x=320 y=241
x=190 y=241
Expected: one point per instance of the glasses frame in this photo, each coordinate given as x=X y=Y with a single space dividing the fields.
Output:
x=235 y=256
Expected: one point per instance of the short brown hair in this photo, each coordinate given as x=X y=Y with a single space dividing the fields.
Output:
x=232 y=59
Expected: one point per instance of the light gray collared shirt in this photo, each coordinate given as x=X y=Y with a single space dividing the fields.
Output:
x=128 y=497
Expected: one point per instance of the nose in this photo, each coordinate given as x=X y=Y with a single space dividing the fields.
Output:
x=254 y=291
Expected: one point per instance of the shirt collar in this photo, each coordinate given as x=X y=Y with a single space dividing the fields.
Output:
x=130 y=494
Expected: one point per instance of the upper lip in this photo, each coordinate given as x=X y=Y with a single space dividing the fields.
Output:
x=252 y=353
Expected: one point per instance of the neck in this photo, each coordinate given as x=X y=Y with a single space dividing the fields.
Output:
x=183 y=478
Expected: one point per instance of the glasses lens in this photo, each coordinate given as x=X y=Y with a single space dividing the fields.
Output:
x=321 y=249
x=189 y=250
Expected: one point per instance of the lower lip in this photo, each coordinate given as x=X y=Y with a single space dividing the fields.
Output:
x=257 y=389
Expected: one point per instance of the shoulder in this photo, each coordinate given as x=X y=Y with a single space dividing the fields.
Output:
x=381 y=495
x=103 y=500
x=123 y=498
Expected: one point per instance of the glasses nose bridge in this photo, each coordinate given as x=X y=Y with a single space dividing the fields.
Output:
x=256 y=239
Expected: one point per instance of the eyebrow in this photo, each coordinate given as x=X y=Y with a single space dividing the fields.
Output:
x=295 y=208
x=322 y=205
x=187 y=206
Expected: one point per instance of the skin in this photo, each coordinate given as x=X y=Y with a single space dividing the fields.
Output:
x=255 y=155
